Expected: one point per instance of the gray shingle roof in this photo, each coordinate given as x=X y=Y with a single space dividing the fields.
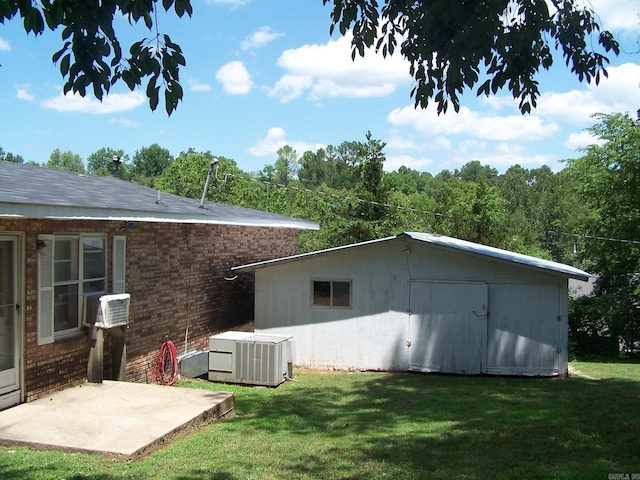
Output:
x=37 y=192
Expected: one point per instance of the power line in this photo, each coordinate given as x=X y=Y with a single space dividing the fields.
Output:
x=436 y=215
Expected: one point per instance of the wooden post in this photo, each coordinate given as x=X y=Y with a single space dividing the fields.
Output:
x=118 y=353
x=95 y=371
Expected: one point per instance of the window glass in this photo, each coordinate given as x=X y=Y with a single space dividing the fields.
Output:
x=66 y=260
x=65 y=307
x=321 y=293
x=93 y=258
x=341 y=294
x=79 y=268
x=328 y=293
x=95 y=286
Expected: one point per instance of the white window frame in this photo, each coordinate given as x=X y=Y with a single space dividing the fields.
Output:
x=47 y=283
x=331 y=282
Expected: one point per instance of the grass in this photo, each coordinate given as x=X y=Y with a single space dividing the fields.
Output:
x=389 y=426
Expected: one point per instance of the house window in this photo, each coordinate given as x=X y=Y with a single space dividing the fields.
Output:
x=79 y=268
x=331 y=293
x=70 y=266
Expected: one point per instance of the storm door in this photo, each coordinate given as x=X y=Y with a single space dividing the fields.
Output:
x=10 y=350
x=448 y=329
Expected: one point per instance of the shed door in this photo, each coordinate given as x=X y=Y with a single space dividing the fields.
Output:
x=448 y=327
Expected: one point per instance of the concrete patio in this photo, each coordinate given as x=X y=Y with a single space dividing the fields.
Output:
x=120 y=419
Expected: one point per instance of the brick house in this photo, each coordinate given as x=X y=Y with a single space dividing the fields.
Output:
x=64 y=235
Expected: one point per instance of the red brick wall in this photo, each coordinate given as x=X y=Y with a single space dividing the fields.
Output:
x=175 y=274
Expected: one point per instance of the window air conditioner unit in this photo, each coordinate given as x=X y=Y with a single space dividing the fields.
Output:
x=106 y=310
x=249 y=358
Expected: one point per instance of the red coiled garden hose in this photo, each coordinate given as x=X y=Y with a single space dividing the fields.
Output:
x=165 y=369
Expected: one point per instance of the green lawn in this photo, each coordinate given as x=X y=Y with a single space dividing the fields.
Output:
x=395 y=426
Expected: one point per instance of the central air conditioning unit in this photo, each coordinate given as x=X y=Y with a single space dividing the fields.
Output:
x=250 y=358
x=106 y=310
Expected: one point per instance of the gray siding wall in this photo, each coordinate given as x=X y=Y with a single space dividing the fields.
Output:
x=523 y=332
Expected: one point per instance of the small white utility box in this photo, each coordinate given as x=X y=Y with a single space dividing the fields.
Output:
x=106 y=310
x=250 y=358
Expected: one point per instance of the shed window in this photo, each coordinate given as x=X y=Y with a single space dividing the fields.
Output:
x=332 y=293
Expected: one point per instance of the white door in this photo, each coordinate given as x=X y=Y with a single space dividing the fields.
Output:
x=10 y=350
x=448 y=329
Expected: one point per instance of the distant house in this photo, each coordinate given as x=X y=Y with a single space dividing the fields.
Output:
x=64 y=235
x=418 y=302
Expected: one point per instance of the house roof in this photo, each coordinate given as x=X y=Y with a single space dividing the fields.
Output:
x=443 y=242
x=30 y=191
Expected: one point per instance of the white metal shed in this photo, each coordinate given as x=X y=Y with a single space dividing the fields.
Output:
x=418 y=302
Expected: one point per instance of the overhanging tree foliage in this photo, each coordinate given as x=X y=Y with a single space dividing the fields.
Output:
x=454 y=45
x=91 y=56
x=451 y=45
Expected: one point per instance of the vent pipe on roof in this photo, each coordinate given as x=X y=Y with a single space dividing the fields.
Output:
x=213 y=163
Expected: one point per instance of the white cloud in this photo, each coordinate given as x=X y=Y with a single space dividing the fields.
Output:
x=618 y=15
x=577 y=141
x=4 y=45
x=327 y=70
x=124 y=122
x=275 y=139
x=501 y=155
x=394 y=162
x=196 y=86
x=260 y=38
x=498 y=102
x=290 y=87
x=112 y=103
x=235 y=78
x=23 y=94
x=399 y=143
x=619 y=92
x=507 y=128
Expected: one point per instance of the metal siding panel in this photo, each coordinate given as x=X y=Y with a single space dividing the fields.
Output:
x=370 y=335
x=448 y=327
x=523 y=335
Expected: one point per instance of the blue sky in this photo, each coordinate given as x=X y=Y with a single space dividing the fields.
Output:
x=264 y=73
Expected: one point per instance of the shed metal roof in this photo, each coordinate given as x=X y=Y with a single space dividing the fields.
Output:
x=444 y=242
x=35 y=192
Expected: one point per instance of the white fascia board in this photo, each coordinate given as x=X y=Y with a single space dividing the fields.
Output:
x=76 y=213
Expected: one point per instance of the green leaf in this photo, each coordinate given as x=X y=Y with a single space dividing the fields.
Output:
x=154 y=98
x=151 y=86
x=59 y=53
x=64 y=65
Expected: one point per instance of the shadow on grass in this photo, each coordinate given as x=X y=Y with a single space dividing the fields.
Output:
x=432 y=426
x=375 y=425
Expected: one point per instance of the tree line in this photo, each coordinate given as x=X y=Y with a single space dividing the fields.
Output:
x=585 y=215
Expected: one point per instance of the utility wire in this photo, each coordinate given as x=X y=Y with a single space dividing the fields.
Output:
x=436 y=215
